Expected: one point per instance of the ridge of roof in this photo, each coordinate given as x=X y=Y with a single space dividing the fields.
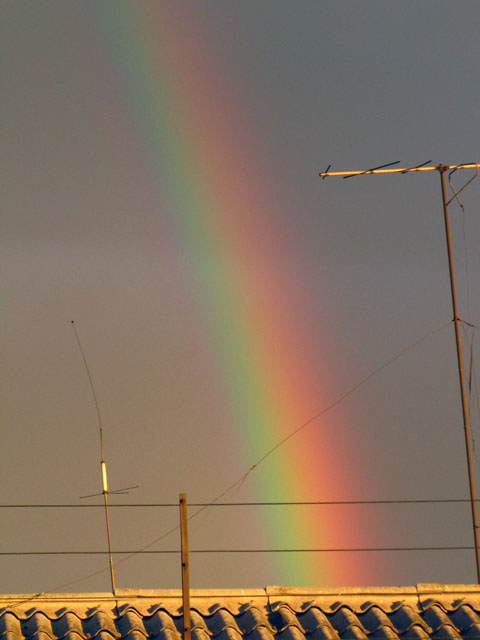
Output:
x=421 y=588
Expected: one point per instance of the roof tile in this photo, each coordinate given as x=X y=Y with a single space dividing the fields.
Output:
x=68 y=627
x=436 y=617
x=37 y=626
x=446 y=632
x=100 y=623
x=314 y=619
x=405 y=617
x=131 y=622
x=10 y=628
x=222 y=621
x=159 y=623
x=253 y=619
x=260 y=632
x=284 y=617
x=323 y=632
x=290 y=632
x=347 y=623
x=415 y=632
x=375 y=618
x=229 y=633
x=465 y=617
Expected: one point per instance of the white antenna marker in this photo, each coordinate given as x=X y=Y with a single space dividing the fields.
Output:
x=442 y=169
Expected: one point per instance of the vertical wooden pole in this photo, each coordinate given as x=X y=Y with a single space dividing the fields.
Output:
x=185 y=567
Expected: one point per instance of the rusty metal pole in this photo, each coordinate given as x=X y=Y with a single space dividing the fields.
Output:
x=185 y=567
x=456 y=321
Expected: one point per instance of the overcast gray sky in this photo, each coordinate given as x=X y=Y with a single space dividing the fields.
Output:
x=160 y=187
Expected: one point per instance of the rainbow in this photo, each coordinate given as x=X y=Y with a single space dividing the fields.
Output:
x=199 y=149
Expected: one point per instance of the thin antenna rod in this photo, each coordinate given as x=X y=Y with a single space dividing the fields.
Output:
x=92 y=387
x=103 y=464
x=442 y=169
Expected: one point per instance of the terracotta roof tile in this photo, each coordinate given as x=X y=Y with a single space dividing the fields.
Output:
x=10 y=628
x=465 y=618
x=436 y=617
x=317 y=625
x=348 y=623
x=260 y=632
x=221 y=622
x=229 y=633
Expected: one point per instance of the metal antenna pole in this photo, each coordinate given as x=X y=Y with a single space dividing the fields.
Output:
x=107 y=521
x=456 y=322
x=187 y=630
x=441 y=169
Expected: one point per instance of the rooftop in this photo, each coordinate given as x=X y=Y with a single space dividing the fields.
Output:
x=392 y=613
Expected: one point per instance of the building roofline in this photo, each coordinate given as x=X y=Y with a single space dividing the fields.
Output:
x=420 y=589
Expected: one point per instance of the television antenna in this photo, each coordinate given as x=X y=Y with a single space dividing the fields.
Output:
x=442 y=169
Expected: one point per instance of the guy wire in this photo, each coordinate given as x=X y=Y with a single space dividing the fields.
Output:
x=238 y=483
x=456 y=197
x=477 y=397
x=473 y=395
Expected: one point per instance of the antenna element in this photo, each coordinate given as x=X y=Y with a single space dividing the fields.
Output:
x=103 y=464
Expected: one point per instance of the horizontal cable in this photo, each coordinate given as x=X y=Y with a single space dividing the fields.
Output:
x=237 y=504
x=174 y=551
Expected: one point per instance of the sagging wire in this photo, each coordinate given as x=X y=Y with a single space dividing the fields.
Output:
x=472 y=382
x=456 y=197
x=471 y=368
x=477 y=399
x=240 y=481
x=454 y=191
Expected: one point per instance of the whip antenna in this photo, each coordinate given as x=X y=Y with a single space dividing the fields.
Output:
x=103 y=464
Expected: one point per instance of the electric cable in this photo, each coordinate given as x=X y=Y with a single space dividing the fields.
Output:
x=212 y=551
x=276 y=503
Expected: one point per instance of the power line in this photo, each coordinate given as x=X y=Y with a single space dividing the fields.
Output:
x=177 y=551
x=240 y=504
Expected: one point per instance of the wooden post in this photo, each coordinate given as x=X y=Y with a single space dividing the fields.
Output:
x=185 y=567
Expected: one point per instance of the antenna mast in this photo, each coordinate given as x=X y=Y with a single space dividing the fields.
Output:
x=442 y=169
x=107 y=519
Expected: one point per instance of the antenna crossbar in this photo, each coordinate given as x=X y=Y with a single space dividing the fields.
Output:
x=440 y=167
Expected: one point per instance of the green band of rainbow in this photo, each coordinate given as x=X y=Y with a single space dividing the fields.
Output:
x=199 y=152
